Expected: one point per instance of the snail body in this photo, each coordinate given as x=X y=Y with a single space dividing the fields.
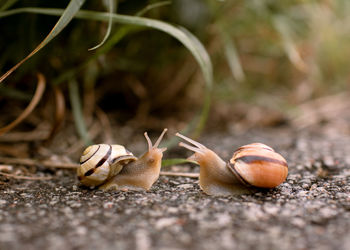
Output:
x=114 y=167
x=252 y=166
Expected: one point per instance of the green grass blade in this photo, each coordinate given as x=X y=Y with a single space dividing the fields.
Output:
x=112 y=8
x=232 y=56
x=198 y=50
x=175 y=161
x=152 y=6
x=77 y=111
x=182 y=35
x=6 y=4
x=66 y=16
x=289 y=45
x=189 y=41
x=207 y=70
x=114 y=39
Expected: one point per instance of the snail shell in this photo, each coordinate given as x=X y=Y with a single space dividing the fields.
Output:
x=114 y=167
x=100 y=162
x=258 y=165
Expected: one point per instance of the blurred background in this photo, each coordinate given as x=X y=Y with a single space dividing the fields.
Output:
x=275 y=63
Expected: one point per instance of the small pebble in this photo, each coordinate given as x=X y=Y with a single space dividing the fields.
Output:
x=185 y=186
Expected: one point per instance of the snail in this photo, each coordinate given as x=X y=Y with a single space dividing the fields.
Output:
x=113 y=166
x=252 y=166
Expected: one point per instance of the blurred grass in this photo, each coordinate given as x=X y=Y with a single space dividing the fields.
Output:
x=274 y=54
x=286 y=47
x=185 y=37
x=65 y=17
x=74 y=97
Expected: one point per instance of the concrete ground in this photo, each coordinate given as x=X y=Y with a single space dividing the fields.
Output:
x=311 y=210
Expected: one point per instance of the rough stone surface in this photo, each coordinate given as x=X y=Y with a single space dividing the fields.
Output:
x=311 y=210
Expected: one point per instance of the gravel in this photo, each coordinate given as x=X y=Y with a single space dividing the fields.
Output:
x=311 y=210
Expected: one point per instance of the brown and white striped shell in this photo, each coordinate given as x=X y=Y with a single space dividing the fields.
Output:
x=101 y=162
x=258 y=165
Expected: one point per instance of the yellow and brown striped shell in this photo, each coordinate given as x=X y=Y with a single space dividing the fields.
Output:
x=101 y=162
x=258 y=165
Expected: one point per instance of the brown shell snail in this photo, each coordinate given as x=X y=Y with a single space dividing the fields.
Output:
x=252 y=165
x=113 y=166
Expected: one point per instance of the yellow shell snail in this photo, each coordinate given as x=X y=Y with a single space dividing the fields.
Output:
x=113 y=166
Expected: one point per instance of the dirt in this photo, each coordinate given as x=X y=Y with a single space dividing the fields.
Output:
x=310 y=210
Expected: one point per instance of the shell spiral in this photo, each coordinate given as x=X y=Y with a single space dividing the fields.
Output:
x=258 y=165
x=100 y=162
